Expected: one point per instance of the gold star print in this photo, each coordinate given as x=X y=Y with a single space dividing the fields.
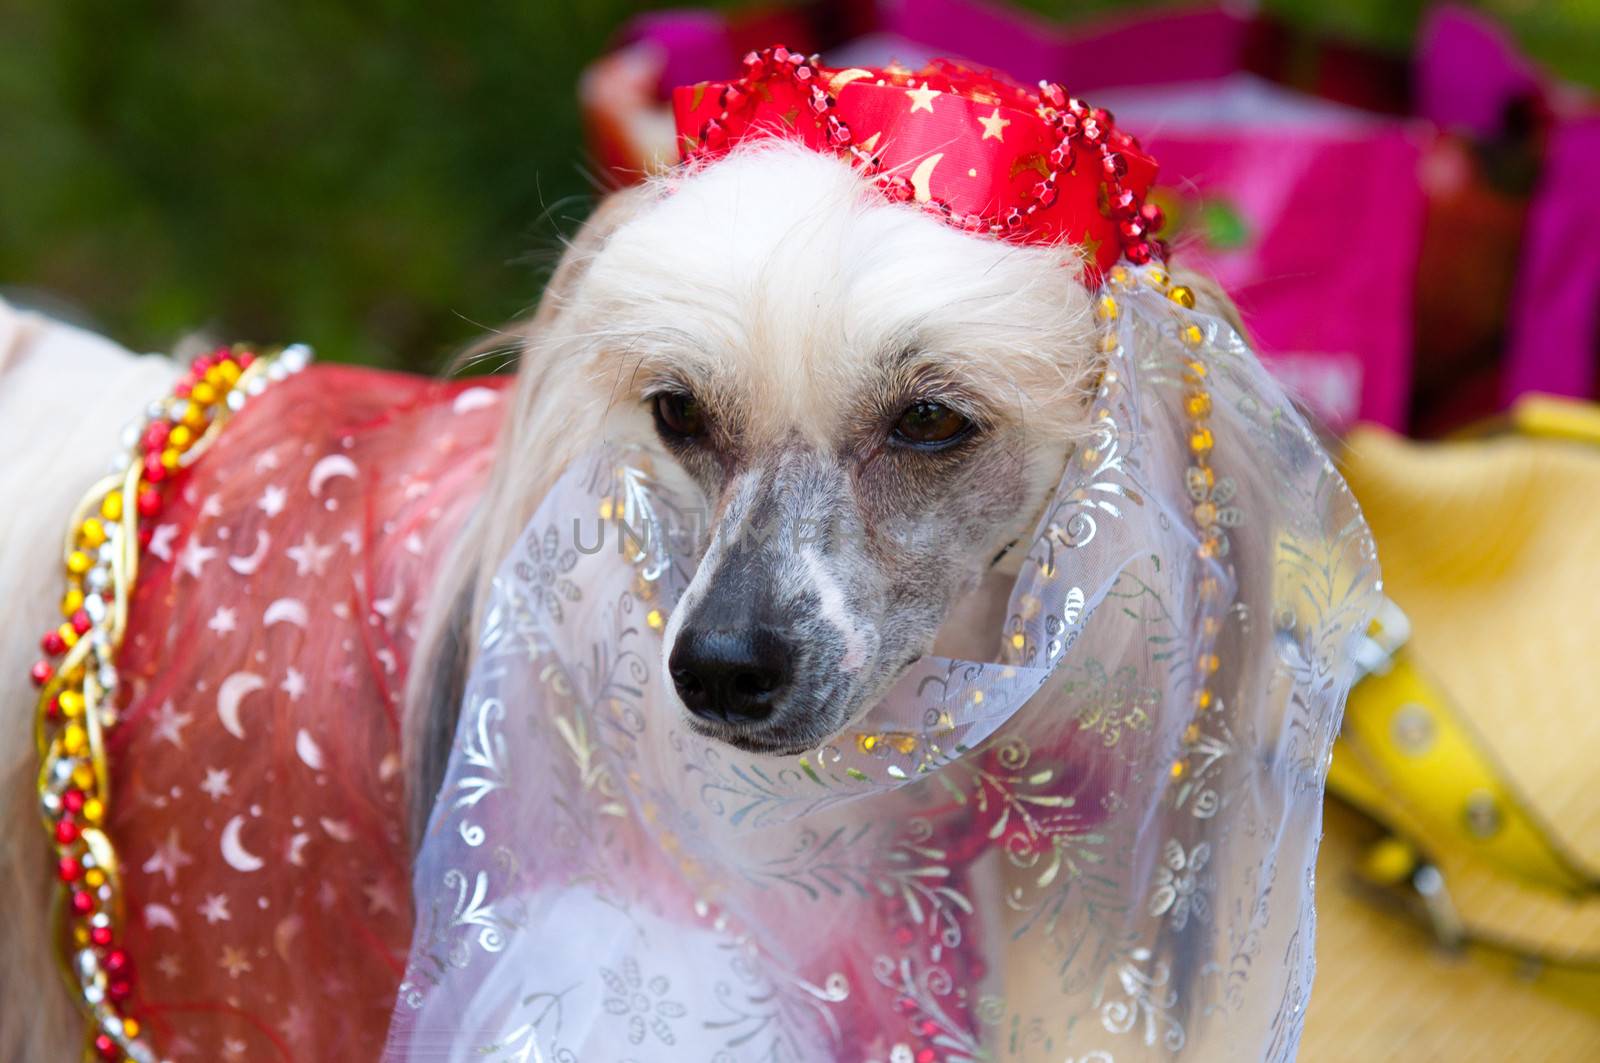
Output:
x=993 y=126
x=922 y=99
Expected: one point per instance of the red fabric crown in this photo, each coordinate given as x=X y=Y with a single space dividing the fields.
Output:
x=988 y=154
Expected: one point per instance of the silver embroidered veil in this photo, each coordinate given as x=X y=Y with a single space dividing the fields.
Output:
x=1097 y=847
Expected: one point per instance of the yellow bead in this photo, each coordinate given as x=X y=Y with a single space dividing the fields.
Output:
x=95 y=878
x=1205 y=475
x=80 y=934
x=214 y=377
x=229 y=372
x=1119 y=275
x=1193 y=336
x=111 y=506
x=1182 y=296
x=977 y=697
x=131 y=1027
x=865 y=743
x=180 y=436
x=1157 y=277
x=1018 y=640
x=1203 y=698
x=1191 y=734
x=71 y=703
x=1177 y=769
x=83 y=776
x=93 y=810
x=607 y=507
x=68 y=633
x=194 y=416
x=654 y=619
x=1210 y=626
x=904 y=743
x=1205 y=513
x=71 y=602
x=78 y=562
x=169 y=459
x=1197 y=404
x=1200 y=440
x=92 y=532
x=73 y=739
x=203 y=393
x=1107 y=308
x=1209 y=663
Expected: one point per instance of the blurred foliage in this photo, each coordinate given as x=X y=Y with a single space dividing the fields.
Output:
x=383 y=178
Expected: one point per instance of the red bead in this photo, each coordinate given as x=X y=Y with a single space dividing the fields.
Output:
x=119 y=991
x=1139 y=253
x=925 y=1056
x=149 y=502
x=107 y=1048
x=754 y=68
x=118 y=963
x=1045 y=193
x=1114 y=164
x=1154 y=217
x=1132 y=229
x=66 y=832
x=155 y=436
x=1125 y=201
x=1104 y=117
x=804 y=72
x=100 y=936
x=838 y=133
x=72 y=801
x=244 y=358
x=905 y=1005
x=82 y=902
x=53 y=711
x=53 y=644
x=820 y=102
x=781 y=55
x=146 y=533
x=1052 y=94
x=1013 y=219
x=1062 y=156
x=81 y=622
x=154 y=471
x=1091 y=131
x=40 y=673
x=898 y=188
x=69 y=868
x=1079 y=109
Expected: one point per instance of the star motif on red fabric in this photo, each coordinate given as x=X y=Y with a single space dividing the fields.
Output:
x=994 y=126
x=169 y=858
x=922 y=98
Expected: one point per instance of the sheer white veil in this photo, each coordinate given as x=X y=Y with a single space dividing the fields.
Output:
x=1099 y=847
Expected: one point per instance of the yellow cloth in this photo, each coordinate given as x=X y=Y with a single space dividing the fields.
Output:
x=1491 y=547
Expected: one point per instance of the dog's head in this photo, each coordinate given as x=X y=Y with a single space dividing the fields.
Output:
x=871 y=405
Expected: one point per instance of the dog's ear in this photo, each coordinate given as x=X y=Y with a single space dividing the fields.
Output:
x=528 y=459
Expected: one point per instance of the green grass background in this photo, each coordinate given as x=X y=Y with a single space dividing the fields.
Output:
x=382 y=179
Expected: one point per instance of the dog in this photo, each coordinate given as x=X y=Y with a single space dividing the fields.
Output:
x=873 y=406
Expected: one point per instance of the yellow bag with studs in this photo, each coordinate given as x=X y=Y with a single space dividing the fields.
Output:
x=1459 y=882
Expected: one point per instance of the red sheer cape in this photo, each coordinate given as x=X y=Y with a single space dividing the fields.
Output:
x=258 y=801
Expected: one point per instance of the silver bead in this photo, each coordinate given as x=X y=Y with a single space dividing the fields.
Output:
x=98 y=579
x=93 y=994
x=95 y=606
x=86 y=963
x=235 y=400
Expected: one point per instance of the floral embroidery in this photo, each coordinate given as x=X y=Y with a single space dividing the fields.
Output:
x=643 y=1002
x=1178 y=893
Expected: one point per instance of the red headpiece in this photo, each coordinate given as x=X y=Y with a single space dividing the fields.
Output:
x=988 y=154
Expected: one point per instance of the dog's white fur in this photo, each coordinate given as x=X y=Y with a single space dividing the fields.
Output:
x=778 y=262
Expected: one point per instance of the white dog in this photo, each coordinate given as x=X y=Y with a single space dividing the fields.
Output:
x=820 y=366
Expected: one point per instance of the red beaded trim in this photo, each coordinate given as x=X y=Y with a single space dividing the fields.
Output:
x=1080 y=130
x=78 y=676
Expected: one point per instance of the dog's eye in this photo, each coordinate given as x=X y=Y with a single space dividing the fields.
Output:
x=678 y=415
x=930 y=426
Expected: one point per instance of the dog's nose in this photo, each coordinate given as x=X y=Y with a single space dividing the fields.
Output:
x=731 y=676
